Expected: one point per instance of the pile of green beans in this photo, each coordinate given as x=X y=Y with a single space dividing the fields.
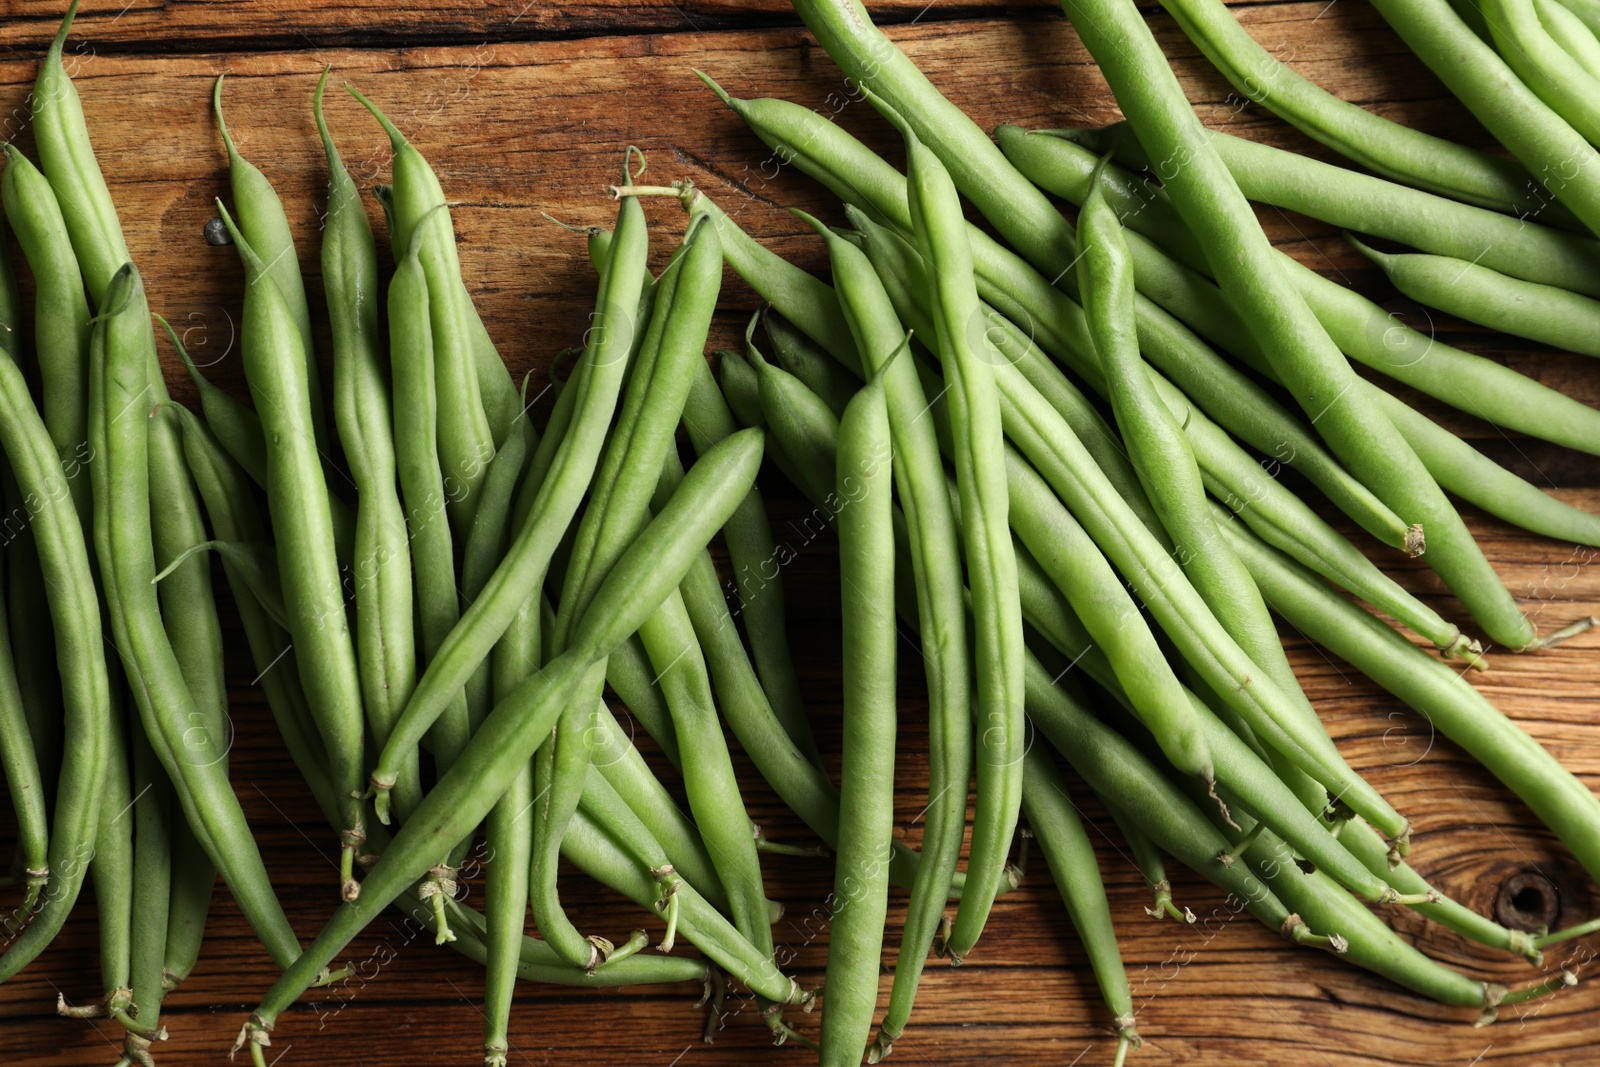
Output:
x=1079 y=465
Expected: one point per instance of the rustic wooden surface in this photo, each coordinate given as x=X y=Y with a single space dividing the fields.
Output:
x=524 y=109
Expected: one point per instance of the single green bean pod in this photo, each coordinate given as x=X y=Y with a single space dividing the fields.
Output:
x=1053 y=818
x=868 y=637
x=68 y=161
x=303 y=529
x=1544 y=313
x=975 y=415
x=261 y=218
x=61 y=313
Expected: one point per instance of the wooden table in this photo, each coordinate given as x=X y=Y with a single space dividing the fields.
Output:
x=524 y=108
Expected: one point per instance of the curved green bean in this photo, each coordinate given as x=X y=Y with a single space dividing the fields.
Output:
x=61 y=313
x=152 y=881
x=1555 y=76
x=74 y=612
x=23 y=782
x=1544 y=313
x=422 y=489
x=303 y=529
x=466 y=439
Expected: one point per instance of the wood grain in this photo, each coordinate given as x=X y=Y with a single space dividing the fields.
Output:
x=519 y=127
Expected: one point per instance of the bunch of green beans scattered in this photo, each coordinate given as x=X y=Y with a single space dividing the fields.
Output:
x=436 y=587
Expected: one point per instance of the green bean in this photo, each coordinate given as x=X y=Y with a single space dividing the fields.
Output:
x=1569 y=31
x=236 y=519
x=1362 y=329
x=828 y=153
x=630 y=675
x=112 y=868
x=151 y=882
x=708 y=774
x=757 y=578
x=799 y=355
x=508 y=835
x=1383 y=146
x=1553 y=152
x=23 y=781
x=571 y=464
x=1543 y=65
x=1053 y=817
x=626 y=773
x=1446 y=700
x=32 y=637
x=1476 y=478
x=1360 y=202
x=466 y=440
x=1078 y=569
x=122 y=351
x=1587 y=12
x=68 y=161
x=1290 y=336
x=486 y=543
x=423 y=490
x=603 y=856
x=1544 y=313
x=631 y=592
x=193 y=880
x=303 y=529
x=384 y=638
x=266 y=229
x=740 y=389
x=1152 y=868
x=868 y=638
x=1288 y=524
x=1572 y=34
x=188 y=604
x=61 y=313
x=74 y=614
x=536 y=963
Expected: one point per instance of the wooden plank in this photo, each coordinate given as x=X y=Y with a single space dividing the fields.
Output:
x=519 y=128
